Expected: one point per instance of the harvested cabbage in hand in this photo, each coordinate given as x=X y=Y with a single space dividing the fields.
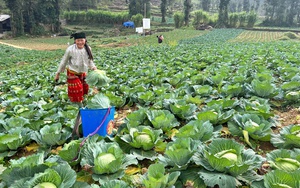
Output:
x=97 y=78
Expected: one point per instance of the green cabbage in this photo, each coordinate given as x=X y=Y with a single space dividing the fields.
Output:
x=254 y=124
x=143 y=138
x=287 y=164
x=227 y=154
x=104 y=159
x=157 y=177
x=45 y=185
x=282 y=179
x=280 y=185
x=292 y=96
x=226 y=162
x=97 y=78
x=289 y=137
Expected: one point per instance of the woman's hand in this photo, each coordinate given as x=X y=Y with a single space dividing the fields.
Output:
x=56 y=78
x=94 y=68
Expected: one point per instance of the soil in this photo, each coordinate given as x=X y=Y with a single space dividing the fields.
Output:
x=122 y=114
x=288 y=117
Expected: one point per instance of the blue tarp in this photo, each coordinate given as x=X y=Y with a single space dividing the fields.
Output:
x=128 y=24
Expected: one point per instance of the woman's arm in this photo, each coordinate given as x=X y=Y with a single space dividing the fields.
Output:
x=92 y=65
x=63 y=64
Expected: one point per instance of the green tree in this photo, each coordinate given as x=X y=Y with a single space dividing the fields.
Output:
x=163 y=9
x=178 y=19
x=251 y=19
x=293 y=11
x=138 y=20
x=134 y=7
x=246 y=5
x=257 y=5
x=200 y=17
x=205 y=4
x=187 y=11
x=242 y=19
x=30 y=21
x=239 y=7
x=233 y=6
x=139 y=7
x=32 y=15
x=3 y=6
x=233 y=19
x=49 y=13
x=281 y=12
x=223 y=14
x=270 y=8
x=15 y=6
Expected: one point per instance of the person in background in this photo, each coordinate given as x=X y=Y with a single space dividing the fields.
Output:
x=160 y=38
x=77 y=59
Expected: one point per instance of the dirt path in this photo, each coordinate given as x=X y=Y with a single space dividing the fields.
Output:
x=4 y=43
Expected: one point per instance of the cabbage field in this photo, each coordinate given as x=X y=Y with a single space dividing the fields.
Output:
x=201 y=113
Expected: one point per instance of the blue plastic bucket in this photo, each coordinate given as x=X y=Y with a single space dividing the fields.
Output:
x=92 y=118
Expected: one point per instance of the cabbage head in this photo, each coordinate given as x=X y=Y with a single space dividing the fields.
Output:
x=250 y=126
x=288 y=137
x=107 y=163
x=179 y=153
x=288 y=164
x=142 y=137
x=197 y=130
x=45 y=185
x=106 y=159
x=283 y=159
x=263 y=88
x=97 y=78
x=292 y=96
x=228 y=154
x=229 y=161
x=282 y=179
x=162 y=119
x=34 y=172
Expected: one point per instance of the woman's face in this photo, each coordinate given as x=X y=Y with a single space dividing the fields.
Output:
x=80 y=43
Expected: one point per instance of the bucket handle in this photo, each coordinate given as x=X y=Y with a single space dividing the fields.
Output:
x=97 y=129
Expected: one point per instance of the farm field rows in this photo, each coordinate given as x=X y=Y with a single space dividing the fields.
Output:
x=201 y=113
x=258 y=36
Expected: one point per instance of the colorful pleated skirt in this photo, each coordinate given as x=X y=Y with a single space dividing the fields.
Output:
x=77 y=87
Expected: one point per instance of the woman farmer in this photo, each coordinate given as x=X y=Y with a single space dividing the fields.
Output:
x=160 y=38
x=77 y=59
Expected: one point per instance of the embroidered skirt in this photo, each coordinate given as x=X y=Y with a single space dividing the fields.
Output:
x=77 y=87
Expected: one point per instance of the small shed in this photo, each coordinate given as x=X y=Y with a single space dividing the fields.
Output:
x=4 y=23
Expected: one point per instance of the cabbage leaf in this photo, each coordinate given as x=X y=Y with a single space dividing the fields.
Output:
x=157 y=177
x=97 y=78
